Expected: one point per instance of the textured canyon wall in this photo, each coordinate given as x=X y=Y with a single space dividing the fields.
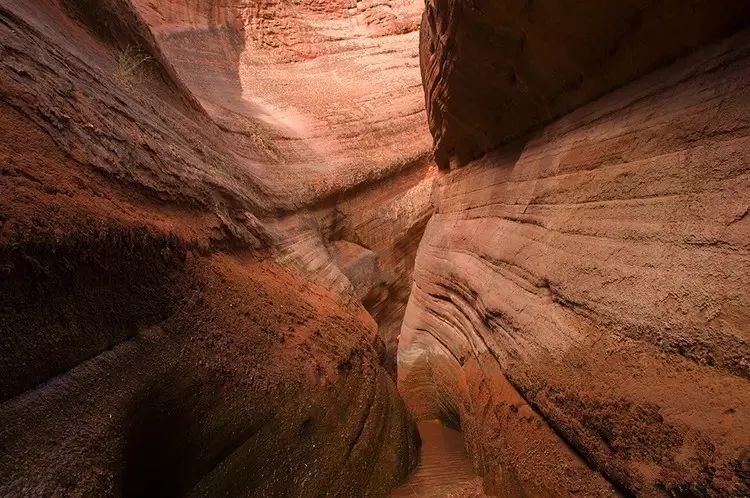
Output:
x=324 y=101
x=495 y=70
x=152 y=343
x=580 y=303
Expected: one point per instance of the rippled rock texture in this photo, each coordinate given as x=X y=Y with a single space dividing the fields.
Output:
x=444 y=468
x=177 y=315
x=581 y=297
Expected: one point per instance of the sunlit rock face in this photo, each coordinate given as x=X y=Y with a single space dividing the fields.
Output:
x=580 y=303
x=494 y=70
x=182 y=264
x=336 y=85
x=324 y=104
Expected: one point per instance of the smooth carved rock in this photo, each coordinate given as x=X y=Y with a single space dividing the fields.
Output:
x=589 y=289
x=323 y=104
x=494 y=70
x=327 y=92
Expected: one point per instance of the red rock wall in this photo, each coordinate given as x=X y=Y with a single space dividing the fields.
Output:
x=495 y=70
x=151 y=344
x=325 y=104
x=588 y=289
x=331 y=89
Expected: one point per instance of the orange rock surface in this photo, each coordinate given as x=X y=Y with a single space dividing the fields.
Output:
x=581 y=299
x=172 y=311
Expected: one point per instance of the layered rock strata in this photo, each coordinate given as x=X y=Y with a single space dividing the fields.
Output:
x=323 y=103
x=580 y=303
x=494 y=71
x=153 y=342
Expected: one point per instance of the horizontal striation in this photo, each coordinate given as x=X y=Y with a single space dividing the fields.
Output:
x=603 y=267
x=493 y=71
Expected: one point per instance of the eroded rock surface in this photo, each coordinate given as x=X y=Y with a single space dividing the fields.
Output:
x=332 y=88
x=324 y=105
x=494 y=70
x=156 y=337
x=581 y=298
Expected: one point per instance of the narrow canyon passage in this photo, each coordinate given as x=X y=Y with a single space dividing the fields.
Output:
x=444 y=467
x=278 y=248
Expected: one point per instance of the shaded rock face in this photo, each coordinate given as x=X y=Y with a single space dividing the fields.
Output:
x=580 y=302
x=495 y=70
x=176 y=317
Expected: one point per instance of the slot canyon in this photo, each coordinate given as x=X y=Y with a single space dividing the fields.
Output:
x=365 y=248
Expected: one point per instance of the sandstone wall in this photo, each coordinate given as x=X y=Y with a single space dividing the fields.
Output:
x=324 y=105
x=494 y=70
x=332 y=89
x=581 y=296
x=151 y=343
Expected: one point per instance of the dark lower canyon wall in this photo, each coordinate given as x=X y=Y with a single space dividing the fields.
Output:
x=250 y=382
x=152 y=342
x=581 y=297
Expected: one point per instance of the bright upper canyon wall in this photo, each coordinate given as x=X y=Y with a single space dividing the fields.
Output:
x=581 y=294
x=326 y=97
x=197 y=199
